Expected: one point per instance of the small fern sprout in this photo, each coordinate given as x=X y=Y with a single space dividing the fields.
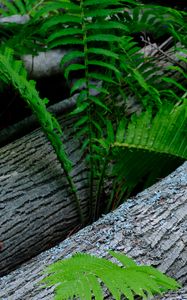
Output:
x=82 y=277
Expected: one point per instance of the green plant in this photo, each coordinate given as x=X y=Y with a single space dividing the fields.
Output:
x=120 y=149
x=152 y=140
x=82 y=276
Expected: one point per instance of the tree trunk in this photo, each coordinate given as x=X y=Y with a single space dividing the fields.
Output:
x=151 y=228
x=37 y=206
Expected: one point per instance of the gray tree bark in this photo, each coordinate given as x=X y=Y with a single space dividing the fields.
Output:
x=151 y=228
x=37 y=207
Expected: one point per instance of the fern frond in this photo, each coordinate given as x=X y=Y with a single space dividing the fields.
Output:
x=52 y=7
x=101 y=12
x=16 y=75
x=155 y=19
x=104 y=52
x=14 y=72
x=100 y=37
x=103 y=3
x=9 y=8
x=59 y=20
x=81 y=275
x=147 y=143
x=73 y=67
x=100 y=25
x=21 y=7
x=102 y=77
x=67 y=32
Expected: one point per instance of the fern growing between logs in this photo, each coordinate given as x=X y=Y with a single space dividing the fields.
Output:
x=112 y=65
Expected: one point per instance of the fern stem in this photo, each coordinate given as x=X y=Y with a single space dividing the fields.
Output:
x=99 y=189
x=110 y=201
x=89 y=112
x=52 y=136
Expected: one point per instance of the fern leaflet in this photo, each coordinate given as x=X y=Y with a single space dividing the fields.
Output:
x=81 y=276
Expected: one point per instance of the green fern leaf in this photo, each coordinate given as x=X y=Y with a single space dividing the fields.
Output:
x=80 y=108
x=107 y=25
x=64 y=32
x=73 y=67
x=31 y=5
x=120 y=133
x=81 y=275
x=98 y=102
x=17 y=7
x=98 y=89
x=125 y=260
x=103 y=52
x=174 y=82
x=52 y=6
x=71 y=56
x=103 y=38
x=104 y=65
x=81 y=121
x=65 y=41
x=103 y=3
x=103 y=12
x=97 y=126
x=102 y=77
x=110 y=132
x=78 y=85
x=21 y=6
x=59 y=20
x=140 y=79
x=12 y=10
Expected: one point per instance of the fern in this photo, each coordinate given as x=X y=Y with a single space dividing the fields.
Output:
x=12 y=71
x=98 y=59
x=74 y=27
x=152 y=141
x=81 y=276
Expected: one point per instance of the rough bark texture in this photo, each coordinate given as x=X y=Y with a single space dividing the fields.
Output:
x=36 y=204
x=151 y=228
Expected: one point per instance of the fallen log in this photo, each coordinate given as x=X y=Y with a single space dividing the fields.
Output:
x=36 y=204
x=151 y=228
